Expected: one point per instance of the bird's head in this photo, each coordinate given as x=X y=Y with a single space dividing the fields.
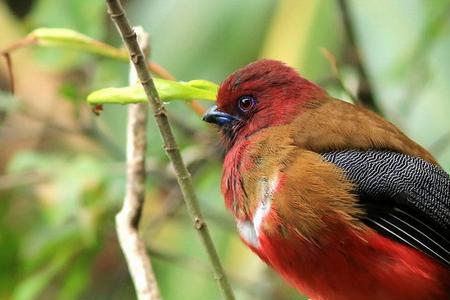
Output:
x=262 y=94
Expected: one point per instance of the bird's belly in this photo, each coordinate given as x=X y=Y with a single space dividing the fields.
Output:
x=350 y=267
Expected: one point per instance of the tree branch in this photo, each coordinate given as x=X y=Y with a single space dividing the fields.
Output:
x=183 y=177
x=127 y=220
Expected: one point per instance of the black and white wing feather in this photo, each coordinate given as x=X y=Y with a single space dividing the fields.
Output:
x=405 y=197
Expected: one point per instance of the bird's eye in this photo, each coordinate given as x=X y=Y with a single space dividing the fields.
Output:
x=246 y=103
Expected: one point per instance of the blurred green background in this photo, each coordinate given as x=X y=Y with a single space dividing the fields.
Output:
x=62 y=168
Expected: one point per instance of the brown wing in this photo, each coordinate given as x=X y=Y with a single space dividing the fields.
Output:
x=337 y=125
x=313 y=190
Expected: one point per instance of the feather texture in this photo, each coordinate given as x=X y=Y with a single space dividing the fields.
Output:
x=406 y=198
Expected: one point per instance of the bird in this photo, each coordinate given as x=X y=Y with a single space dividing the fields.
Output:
x=336 y=199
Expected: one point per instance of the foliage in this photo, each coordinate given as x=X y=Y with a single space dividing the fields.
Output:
x=167 y=90
x=64 y=168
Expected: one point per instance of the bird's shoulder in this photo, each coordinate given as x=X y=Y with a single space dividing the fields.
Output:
x=338 y=125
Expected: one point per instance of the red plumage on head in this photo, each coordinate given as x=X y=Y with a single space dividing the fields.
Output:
x=278 y=89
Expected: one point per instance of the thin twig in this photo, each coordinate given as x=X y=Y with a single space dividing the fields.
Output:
x=9 y=67
x=6 y=53
x=365 y=89
x=117 y=14
x=25 y=42
x=127 y=220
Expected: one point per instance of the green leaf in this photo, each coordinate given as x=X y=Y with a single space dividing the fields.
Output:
x=167 y=90
x=67 y=38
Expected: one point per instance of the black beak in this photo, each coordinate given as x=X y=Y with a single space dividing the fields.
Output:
x=218 y=117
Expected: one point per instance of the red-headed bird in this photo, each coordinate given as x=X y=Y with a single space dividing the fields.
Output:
x=334 y=198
